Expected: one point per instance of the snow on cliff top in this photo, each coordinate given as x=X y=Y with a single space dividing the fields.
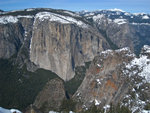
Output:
x=120 y=21
x=125 y=51
x=115 y=9
x=99 y=16
x=12 y=19
x=145 y=17
x=142 y=63
x=59 y=18
x=8 y=19
x=118 y=50
x=146 y=49
x=137 y=14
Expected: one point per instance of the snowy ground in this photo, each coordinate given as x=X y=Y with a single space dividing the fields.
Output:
x=2 y=110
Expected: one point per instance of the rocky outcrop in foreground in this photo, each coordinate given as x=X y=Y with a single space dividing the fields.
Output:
x=51 y=97
x=117 y=77
x=114 y=78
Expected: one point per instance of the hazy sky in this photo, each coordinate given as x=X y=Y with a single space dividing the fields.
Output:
x=76 y=5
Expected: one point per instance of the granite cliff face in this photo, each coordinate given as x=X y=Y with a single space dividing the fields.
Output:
x=11 y=39
x=50 y=40
x=63 y=45
x=104 y=83
x=120 y=28
x=116 y=77
x=62 y=41
x=14 y=33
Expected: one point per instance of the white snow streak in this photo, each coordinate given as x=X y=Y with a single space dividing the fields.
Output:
x=12 y=19
x=145 y=17
x=59 y=18
x=97 y=102
x=120 y=21
x=143 y=64
x=8 y=19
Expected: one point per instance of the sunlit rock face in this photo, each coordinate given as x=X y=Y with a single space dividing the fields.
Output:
x=66 y=39
x=117 y=77
x=59 y=46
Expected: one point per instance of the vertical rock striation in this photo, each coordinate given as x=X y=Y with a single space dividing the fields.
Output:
x=60 y=47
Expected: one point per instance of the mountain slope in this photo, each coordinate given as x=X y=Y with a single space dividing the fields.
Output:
x=63 y=39
x=19 y=87
x=37 y=45
x=117 y=77
x=122 y=28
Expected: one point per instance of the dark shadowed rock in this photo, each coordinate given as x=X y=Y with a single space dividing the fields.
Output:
x=32 y=109
x=50 y=98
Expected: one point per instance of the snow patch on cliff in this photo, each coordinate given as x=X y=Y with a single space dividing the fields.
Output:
x=115 y=9
x=111 y=52
x=98 y=81
x=145 y=17
x=145 y=111
x=146 y=49
x=12 y=19
x=106 y=53
x=140 y=23
x=120 y=21
x=143 y=65
x=26 y=16
x=8 y=19
x=99 y=16
x=127 y=50
x=97 y=102
x=123 y=49
x=59 y=18
x=106 y=107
